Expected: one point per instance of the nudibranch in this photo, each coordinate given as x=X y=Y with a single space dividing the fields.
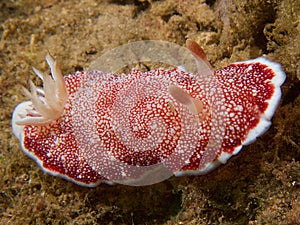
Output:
x=96 y=127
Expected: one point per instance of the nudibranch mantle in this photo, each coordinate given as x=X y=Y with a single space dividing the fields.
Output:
x=93 y=127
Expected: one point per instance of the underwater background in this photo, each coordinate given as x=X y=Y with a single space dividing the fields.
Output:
x=261 y=185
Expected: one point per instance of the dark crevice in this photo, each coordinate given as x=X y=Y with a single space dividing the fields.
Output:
x=292 y=94
x=141 y=5
x=78 y=68
x=167 y=17
x=210 y=2
x=266 y=17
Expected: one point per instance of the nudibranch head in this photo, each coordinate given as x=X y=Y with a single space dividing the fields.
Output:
x=141 y=128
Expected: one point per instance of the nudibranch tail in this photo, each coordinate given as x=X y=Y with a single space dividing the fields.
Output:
x=47 y=103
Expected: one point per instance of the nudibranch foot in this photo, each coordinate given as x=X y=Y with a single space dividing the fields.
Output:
x=47 y=103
